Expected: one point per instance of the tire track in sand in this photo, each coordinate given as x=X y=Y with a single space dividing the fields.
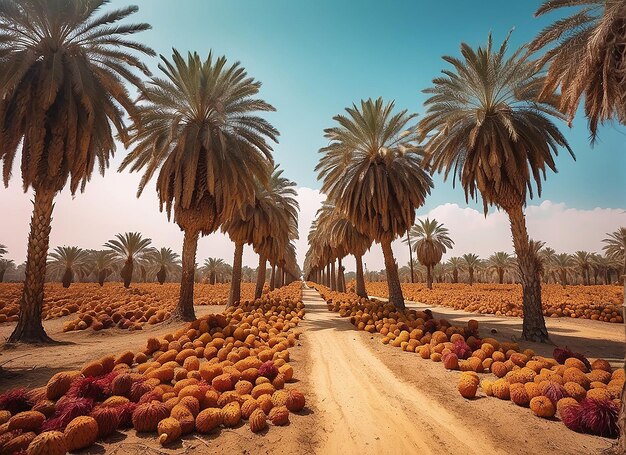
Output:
x=365 y=408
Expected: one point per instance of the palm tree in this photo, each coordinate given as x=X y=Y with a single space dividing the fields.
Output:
x=486 y=126
x=615 y=247
x=129 y=247
x=5 y=264
x=585 y=52
x=63 y=94
x=500 y=263
x=212 y=268
x=582 y=260
x=372 y=170
x=472 y=262
x=546 y=259
x=68 y=261
x=102 y=264
x=274 y=205
x=456 y=265
x=164 y=260
x=3 y=250
x=199 y=129
x=432 y=242
x=563 y=264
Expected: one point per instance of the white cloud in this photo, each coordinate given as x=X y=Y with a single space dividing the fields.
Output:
x=109 y=206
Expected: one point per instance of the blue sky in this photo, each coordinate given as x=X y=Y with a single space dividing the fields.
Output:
x=315 y=58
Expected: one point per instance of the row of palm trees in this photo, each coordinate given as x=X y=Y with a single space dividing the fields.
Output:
x=490 y=123
x=66 y=74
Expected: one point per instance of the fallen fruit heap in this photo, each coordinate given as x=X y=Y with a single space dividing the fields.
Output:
x=600 y=303
x=213 y=372
x=585 y=395
x=113 y=305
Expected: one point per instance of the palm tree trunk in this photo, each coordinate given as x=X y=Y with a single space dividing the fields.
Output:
x=29 y=328
x=68 y=277
x=260 y=277
x=2 y=272
x=127 y=272
x=455 y=276
x=360 y=280
x=471 y=276
x=273 y=278
x=534 y=325
x=500 y=276
x=161 y=275
x=429 y=276
x=393 y=281
x=184 y=311
x=333 y=277
x=341 y=284
x=235 y=283
x=408 y=238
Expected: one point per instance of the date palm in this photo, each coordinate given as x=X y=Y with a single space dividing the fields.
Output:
x=102 y=264
x=486 y=126
x=500 y=263
x=615 y=247
x=64 y=79
x=274 y=204
x=582 y=260
x=129 y=247
x=198 y=129
x=456 y=265
x=212 y=269
x=5 y=264
x=563 y=264
x=68 y=261
x=586 y=56
x=3 y=250
x=373 y=172
x=471 y=263
x=164 y=260
x=432 y=240
x=546 y=259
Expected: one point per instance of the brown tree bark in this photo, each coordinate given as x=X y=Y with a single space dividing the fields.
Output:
x=161 y=275
x=273 y=278
x=29 y=328
x=68 y=277
x=341 y=283
x=455 y=275
x=184 y=310
x=2 y=272
x=393 y=281
x=333 y=277
x=260 y=277
x=500 y=276
x=360 y=280
x=429 y=276
x=534 y=324
x=471 y=276
x=235 y=283
x=127 y=272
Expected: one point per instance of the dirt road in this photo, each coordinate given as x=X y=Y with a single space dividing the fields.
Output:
x=366 y=407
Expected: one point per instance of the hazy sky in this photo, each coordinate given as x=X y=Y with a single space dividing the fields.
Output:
x=314 y=59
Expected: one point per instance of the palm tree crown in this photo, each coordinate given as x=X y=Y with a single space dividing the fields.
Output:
x=615 y=246
x=130 y=245
x=62 y=87
x=485 y=125
x=197 y=129
x=585 y=52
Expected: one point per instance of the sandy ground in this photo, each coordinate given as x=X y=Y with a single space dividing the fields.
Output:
x=362 y=396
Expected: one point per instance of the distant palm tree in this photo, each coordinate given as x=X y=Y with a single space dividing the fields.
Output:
x=456 y=264
x=431 y=242
x=585 y=52
x=199 y=129
x=164 y=260
x=582 y=260
x=615 y=247
x=372 y=170
x=67 y=67
x=3 y=250
x=500 y=263
x=546 y=258
x=563 y=264
x=274 y=203
x=472 y=262
x=5 y=264
x=212 y=268
x=102 y=263
x=68 y=261
x=129 y=247
x=486 y=126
